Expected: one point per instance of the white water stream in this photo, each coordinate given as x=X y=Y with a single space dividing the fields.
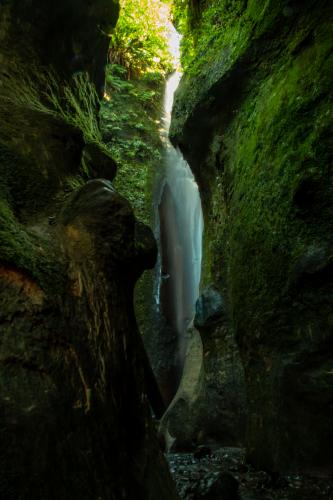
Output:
x=180 y=228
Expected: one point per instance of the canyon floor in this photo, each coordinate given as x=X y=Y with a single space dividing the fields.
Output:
x=224 y=474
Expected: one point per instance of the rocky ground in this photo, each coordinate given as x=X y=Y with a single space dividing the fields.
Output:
x=223 y=474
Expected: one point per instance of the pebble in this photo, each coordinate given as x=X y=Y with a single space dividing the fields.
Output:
x=194 y=478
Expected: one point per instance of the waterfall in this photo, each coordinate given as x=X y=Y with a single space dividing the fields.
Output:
x=179 y=230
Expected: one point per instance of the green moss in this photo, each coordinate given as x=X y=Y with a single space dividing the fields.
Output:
x=220 y=39
x=254 y=117
x=276 y=143
x=217 y=24
x=41 y=141
x=29 y=252
x=262 y=152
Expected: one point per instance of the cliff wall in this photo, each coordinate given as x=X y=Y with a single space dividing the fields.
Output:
x=252 y=116
x=75 y=420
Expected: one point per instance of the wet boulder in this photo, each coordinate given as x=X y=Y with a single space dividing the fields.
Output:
x=209 y=310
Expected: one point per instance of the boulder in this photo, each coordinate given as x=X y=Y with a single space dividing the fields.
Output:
x=222 y=487
x=209 y=309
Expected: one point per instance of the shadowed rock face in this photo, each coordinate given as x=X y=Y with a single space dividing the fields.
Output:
x=70 y=35
x=252 y=117
x=210 y=309
x=74 y=415
x=75 y=420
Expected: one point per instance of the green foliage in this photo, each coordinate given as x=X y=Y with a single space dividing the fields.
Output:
x=139 y=42
x=79 y=104
x=76 y=102
x=115 y=79
x=130 y=120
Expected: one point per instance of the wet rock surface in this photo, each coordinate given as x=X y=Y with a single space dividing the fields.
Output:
x=210 y=308
x=225 y=475
x=74 y=379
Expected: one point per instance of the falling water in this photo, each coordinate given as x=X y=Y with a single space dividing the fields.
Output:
x=180 y=227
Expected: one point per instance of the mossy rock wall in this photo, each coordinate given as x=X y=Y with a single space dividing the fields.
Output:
x=46 y=49
x=253 y=116
x=74 y=415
